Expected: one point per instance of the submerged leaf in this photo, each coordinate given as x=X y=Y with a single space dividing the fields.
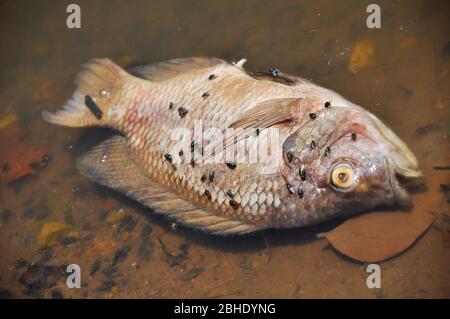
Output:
x=378 y=236
x=21 y=157
x=7 y=120
x=115 y=216
x=362 y=56
x=20 y=162
x=52 y=231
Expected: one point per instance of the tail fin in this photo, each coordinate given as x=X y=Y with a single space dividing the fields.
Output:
x=98 y=85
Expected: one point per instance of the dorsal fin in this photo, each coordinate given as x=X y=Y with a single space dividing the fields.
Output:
x=110 y=164
x=168 y=69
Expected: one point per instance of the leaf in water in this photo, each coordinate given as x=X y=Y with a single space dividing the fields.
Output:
x=376 y=237
x=7 y=120
x=21 y=162
x=52 y=231
x=362 y=56
x=22 y=157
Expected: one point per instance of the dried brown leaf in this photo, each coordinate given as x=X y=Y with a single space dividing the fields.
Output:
x=376 y=237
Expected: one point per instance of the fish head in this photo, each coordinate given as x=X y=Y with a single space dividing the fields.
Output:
x=348 y=161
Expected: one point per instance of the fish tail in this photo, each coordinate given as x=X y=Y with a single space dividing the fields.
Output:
x=98 y=87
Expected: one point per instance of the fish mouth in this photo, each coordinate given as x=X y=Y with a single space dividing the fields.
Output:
x=403 y=171
x=401 y=164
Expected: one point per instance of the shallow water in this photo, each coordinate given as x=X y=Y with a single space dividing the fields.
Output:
x=143 y=255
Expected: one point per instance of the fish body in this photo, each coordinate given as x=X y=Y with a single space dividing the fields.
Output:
x=230 y=152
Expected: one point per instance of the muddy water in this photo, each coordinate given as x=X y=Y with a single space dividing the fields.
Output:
x=126 y=251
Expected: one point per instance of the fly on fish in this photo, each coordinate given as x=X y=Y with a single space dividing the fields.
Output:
x=322 y=156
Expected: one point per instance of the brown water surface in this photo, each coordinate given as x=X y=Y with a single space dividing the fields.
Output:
x=141 y=255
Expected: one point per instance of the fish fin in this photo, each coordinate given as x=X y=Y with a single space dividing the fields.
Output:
x=169 y=69
x=87 y=105
x=261 y=116
x=110 y=164
x=268 y=113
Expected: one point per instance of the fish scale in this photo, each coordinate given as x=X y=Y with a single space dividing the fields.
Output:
x=316 y=127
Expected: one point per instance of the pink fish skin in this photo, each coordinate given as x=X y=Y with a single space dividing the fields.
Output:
x=309 y=154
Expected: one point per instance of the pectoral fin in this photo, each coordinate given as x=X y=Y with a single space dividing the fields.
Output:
x=110 y=164
x=261 y=116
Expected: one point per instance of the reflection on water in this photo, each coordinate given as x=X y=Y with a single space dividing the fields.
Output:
x=54 y=216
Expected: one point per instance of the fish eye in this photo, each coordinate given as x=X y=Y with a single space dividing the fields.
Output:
x=343 y=177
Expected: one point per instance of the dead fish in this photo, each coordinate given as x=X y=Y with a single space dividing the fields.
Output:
x=339 y=176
